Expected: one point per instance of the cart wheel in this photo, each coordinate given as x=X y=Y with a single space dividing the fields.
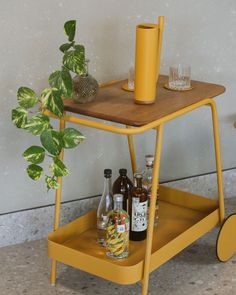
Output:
x=226 y=240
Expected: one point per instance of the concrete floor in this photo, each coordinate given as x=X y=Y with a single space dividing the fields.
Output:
x=195 y=271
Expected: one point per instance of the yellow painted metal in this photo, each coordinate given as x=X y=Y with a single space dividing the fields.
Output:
x=161 y=20
x=177 y=244
x=180 y=224
x=146 y=56
x=155 y=179
x=57 y=211
x=226 y=242
x=138 y=130
x=187 y=200
x=188 y=217
x=58 y=191
x=53 y=272
x=147 y=60
x=218 y=159
x=132 y=152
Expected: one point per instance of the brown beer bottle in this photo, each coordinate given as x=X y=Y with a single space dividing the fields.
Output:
x=138 y=205
x=123 y=185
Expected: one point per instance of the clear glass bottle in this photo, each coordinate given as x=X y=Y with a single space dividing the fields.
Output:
x=104 y=207
x=147 y=184
x=138 y=204
x=117 y=234
x=123 y=185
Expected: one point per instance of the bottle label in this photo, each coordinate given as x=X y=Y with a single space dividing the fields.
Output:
x=139 y=215
x=120 y=228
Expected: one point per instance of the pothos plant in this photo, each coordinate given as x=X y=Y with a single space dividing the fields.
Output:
x=38 y=123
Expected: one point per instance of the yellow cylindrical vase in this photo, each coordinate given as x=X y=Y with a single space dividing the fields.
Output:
x=146 y=63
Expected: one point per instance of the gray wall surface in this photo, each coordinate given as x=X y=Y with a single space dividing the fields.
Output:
x=200 y=33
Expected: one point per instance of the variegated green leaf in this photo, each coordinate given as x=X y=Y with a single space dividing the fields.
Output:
x=37 y=124
x=70 y=27
x=79 y=47
x=51 y=141
x=34 y=171
x=74 y=60
x=65 y=47
x=51 y=183
x=58 y=168
x=19 y=117
x=51 y=99
x=62 y=80
x=34 y=154
x=71 y=138
x=26 y=97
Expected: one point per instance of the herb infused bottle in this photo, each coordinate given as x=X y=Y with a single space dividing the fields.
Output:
x=104 y=207
x=117 y=235
x=138 y=204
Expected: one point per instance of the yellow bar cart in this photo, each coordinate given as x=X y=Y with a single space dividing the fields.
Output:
x=184 y=217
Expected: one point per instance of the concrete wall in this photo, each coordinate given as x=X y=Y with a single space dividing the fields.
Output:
x=200 y=33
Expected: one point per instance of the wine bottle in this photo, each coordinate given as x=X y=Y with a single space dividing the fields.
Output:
x=104 y=207
x=138 y=203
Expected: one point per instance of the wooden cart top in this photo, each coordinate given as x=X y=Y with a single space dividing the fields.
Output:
x=117 y=105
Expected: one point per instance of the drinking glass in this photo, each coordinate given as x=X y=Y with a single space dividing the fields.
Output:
x=179 y=77
x=131 y=78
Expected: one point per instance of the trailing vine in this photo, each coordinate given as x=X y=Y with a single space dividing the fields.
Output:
x=51 y=99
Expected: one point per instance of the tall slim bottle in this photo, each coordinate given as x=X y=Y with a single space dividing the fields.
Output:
x=104 y=207
x=138 y=204
x=147 y=184
x=123 y=185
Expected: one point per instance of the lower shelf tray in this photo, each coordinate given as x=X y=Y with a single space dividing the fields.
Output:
x=183 y=218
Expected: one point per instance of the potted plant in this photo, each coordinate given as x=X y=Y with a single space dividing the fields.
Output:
x=37 y=123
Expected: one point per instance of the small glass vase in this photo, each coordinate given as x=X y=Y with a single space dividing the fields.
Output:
x=85 y=87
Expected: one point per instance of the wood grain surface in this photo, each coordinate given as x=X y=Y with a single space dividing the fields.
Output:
x=117 y=105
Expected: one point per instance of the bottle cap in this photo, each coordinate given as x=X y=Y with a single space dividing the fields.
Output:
x=123 y=171
x=107 y=173
x=118 y=198
x=149 y=159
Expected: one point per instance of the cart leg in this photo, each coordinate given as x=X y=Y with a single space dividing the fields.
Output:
x=53 y=273
x=132 y=152
x=218 y=160
x=155 y=178
x=57 y=212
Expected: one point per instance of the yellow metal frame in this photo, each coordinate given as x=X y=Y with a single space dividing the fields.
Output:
x=160 y=26
x=158 y=125
x=57 y=209
x=183 y=218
